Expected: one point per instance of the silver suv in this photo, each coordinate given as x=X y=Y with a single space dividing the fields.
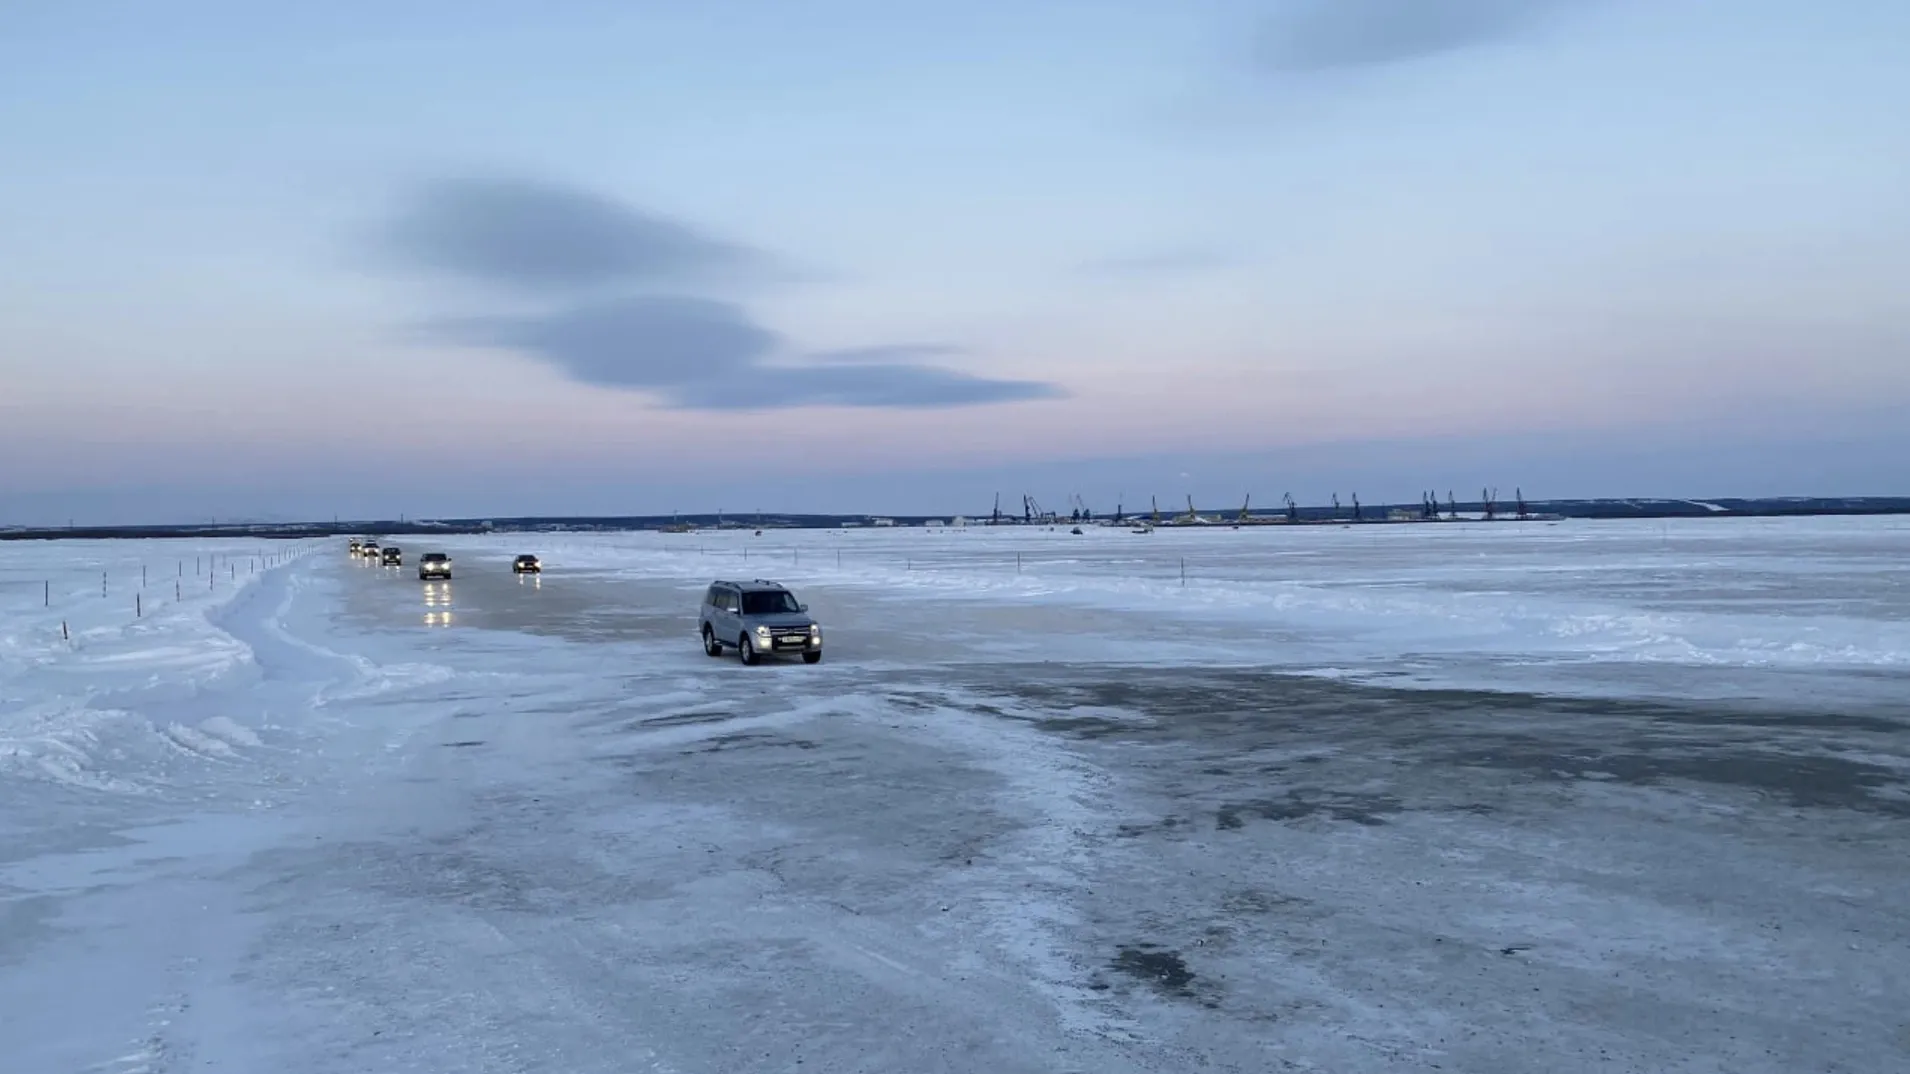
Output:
x=757 y=619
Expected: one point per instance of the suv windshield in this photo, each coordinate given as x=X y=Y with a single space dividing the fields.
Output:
x=770 y=602
x=435 y=557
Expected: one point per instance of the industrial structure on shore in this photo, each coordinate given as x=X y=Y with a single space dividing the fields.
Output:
x=1428 y=509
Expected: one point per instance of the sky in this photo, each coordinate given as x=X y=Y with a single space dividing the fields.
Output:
x=488 y=258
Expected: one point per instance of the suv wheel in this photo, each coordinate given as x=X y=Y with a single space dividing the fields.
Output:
x=745 y=651
x=710 y=645
x=812 y=657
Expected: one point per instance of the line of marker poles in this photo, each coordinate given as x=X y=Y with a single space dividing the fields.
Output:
x=145 y=577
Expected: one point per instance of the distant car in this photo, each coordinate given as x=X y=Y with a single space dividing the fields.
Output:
x=527 y=565
x=759 y=618
x=356 y=547
x=393 y=556
x=369 y=549
x=434 y=565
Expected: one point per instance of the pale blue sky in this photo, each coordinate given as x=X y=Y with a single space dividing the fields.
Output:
x=850 y=255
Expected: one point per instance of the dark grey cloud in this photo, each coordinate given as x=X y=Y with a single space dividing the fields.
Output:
x=705 y=354
x=689 y=349
x=539 y=236
x=885 y=354
x=639 y=341
x=1318 y=35
x=902 y=387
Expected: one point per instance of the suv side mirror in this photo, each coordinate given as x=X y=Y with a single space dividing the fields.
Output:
x=802 y=607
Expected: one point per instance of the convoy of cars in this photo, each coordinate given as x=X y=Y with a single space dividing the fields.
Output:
x=757 y=618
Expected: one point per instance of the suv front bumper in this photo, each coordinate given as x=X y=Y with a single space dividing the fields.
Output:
x=788 y=643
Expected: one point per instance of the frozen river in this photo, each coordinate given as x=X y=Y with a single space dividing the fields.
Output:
x=1523 y=797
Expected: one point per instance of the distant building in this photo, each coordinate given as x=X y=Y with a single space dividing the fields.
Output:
x=882 y=522
x=960 y=520
x=933 y=523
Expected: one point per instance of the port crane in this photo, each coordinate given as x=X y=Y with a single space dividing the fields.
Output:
x=1244 y=504
x=1293 y=509
x=1033 y=513
x=1156 y=505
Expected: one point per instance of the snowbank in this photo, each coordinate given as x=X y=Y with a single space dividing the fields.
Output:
x=82 y=622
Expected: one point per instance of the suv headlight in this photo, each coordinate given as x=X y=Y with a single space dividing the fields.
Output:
x=815 y=630
x=762 y=632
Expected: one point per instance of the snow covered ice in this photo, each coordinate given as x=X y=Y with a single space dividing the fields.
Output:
x=1522 y=797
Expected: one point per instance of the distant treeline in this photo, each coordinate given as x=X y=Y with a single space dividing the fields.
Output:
x=1370 y=513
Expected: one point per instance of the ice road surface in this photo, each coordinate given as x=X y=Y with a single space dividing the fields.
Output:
x=1521 y=797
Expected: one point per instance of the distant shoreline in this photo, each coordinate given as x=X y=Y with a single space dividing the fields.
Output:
x=1221 y=518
